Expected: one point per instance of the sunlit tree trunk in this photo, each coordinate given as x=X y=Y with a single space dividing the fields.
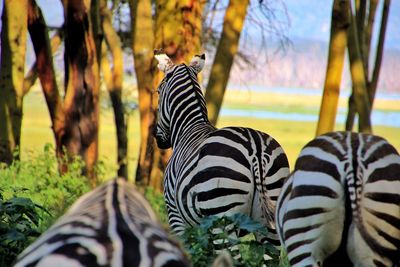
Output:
x=81 y=104
x=142 y=47
x=178 y=28
x=227 y=48
x=45 y=70
x=13 y=47
x=337 y=47
x=114 y=78
x=178 y=32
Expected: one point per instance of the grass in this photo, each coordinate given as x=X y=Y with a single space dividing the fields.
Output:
x=292 y=135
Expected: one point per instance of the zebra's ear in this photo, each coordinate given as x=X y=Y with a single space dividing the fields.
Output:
x=197 y=62
x=165 y=64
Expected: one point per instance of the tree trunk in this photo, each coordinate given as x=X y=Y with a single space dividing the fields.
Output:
x=31 y=76
x=358 y=79
x=114 y=86
x=13 y=46
x=45 y=70
x=178 y=28
x=178 y=32
x=227 y=48
x=365 y=42
x=142 y=47
x=337 y=46
x=81 y=104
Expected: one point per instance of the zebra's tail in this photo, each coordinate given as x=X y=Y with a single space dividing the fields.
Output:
x=270 y=170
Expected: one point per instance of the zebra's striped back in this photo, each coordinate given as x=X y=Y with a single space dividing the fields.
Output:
x=112 y=225
x=341 y=204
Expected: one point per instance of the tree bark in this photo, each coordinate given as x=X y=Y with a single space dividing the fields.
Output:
x=178 y=28
x=45 y=70
x=180 y=37
x=13 y=46
x=337 y=46
x=227 y=48
x=178 y=31
x=114 y=86
x=142 y=47
x=81 y=104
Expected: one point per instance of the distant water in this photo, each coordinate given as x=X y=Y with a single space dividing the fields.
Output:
x=305 y=91
x=391 y=119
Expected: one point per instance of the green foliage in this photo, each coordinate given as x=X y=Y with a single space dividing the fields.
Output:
x=19 y=221
x=157 y=203
x=27 y=182
x=236 y=234
x=38 y=178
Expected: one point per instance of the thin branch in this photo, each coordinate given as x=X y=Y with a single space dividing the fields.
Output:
x=379 y=53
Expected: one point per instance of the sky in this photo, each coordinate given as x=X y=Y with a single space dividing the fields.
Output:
x=305 y=19
x=308 y=19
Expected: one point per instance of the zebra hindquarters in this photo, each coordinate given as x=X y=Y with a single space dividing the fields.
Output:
x=113 y=225
x=310 y=217
x=374 y=235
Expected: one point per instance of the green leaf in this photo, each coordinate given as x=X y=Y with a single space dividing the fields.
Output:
x=13 y=236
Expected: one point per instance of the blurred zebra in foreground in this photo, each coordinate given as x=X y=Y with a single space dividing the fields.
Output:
x=111 y=226
x=341 y=204
x=213 y=171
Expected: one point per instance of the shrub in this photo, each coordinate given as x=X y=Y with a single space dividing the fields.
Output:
x=19 y=221
x=38 y=178
x=236 y=234
x=33 y=196
x=199 y=241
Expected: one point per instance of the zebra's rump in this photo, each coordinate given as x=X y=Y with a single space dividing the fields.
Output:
x=236 y=170
x=112 y=225
x=342 y=203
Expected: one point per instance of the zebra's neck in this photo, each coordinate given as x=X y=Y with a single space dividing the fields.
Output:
x=189 y=127
x=189 y=112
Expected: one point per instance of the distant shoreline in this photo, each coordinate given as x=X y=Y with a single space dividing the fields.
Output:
x=306 y=91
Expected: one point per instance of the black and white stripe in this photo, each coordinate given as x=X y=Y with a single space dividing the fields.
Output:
x=111 y=226
x=213 y=171
x=341 y=204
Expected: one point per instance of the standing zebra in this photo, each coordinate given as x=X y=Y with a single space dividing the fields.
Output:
x=110 y=226
x=341 y=204
x=213 y=171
